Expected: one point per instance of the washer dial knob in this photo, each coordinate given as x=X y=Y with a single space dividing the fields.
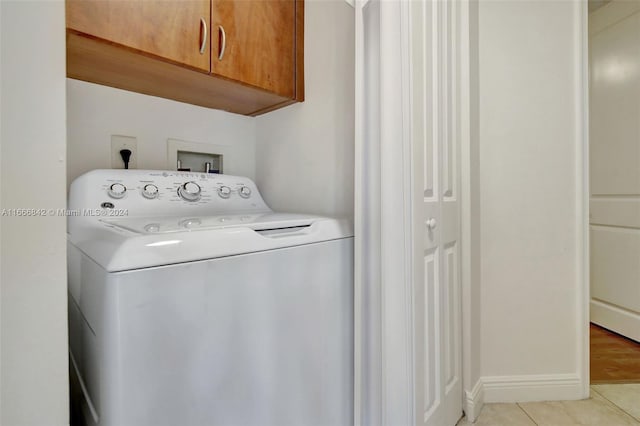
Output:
x=117 y=190
x=152 y=227
x=245 y=192
x=190 y=191
x=224 y=192
x=150 y=191
x=190 y=223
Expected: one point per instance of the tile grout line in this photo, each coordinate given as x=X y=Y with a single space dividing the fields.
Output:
x=614 y=404
x=527 y=414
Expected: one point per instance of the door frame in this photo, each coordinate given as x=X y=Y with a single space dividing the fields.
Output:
x=620 y=12
x=383 y=346
x=582 y=194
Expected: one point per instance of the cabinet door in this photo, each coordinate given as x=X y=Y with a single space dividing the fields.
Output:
x=170 y=29
x=259 y=39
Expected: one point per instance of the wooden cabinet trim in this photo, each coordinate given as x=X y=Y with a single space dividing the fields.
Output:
x=97 y=61
x=73 y=33
x=299 y=46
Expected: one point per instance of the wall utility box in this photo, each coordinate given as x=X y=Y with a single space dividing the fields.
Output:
x=195 y=157
x=199 y=162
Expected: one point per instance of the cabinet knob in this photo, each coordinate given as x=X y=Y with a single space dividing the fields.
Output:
x=223 y=41
x=203 y=43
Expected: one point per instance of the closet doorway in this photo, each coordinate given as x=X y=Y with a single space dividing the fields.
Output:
x=614 y=152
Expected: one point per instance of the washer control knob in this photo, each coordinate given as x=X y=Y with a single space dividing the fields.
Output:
x=245 y=192
x=152 y=227
x=190 y=223
x=150 y=191
x=224 y=192
x=117 y=190
x=190 y=191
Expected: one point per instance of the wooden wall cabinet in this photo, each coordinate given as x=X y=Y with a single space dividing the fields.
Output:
x=243 y=56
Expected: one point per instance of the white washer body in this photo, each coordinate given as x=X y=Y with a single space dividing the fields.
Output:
x=219 y=313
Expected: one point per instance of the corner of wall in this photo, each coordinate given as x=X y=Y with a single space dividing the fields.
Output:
x=471 y=213
x=473 y=401
x=583 y=190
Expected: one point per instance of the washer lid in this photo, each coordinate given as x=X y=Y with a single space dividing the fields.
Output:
x=133 y=243
x=166 y=225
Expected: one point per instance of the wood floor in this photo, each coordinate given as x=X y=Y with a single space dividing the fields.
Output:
x=614 y=359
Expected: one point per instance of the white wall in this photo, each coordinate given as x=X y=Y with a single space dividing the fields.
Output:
x=305 y=151
x=530 y=148
x=96 y=112
x=33 y=323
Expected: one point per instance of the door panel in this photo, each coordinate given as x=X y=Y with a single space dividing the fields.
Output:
x=436 y=213
x=615 y=108
x=613 y=211
x=431 y=356
x=169 y=29
x=615 y=175
x=615 y=260
x=259 y=43
x=451 y=296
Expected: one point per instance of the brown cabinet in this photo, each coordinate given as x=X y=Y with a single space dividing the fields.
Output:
x=243 y=56
x=259 y=41
x=171 y=30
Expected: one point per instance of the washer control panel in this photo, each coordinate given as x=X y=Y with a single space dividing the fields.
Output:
x=158 y=192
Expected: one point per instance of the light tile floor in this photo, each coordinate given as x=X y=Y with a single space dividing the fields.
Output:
x=609 y=405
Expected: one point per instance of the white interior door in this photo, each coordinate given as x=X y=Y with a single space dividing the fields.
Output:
x=407 y=213
x=615 y=167
x=435 y=154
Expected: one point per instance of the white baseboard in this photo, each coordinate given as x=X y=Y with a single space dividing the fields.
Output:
x=616 y=319
x=474 y=401
x=543 y=387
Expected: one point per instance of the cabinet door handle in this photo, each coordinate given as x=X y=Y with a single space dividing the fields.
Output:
x=203 y=44
x=223 y=42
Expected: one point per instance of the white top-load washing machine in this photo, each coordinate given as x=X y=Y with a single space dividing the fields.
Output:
x=191 y=303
